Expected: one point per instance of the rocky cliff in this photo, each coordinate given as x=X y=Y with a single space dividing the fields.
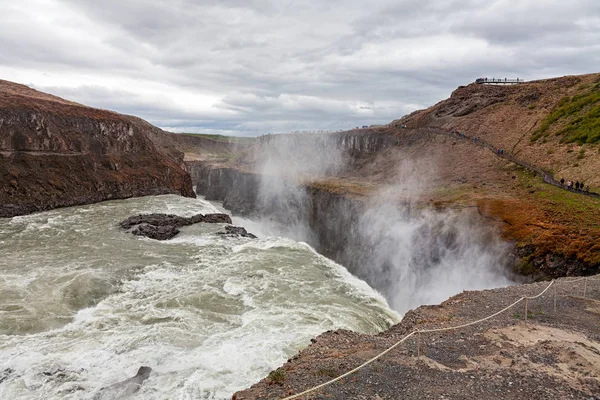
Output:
x=56 y=153
x=536 y=218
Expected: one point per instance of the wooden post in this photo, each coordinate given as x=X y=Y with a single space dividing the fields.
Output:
x=584 y=287
x=419 y=344
x=526 y=301
x=554 y=298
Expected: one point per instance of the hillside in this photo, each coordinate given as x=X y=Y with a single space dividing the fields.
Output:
x=213 y=148
x=553 y=123
x=56 y=153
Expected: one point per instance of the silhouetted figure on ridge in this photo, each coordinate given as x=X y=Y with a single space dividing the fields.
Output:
x=562 y=182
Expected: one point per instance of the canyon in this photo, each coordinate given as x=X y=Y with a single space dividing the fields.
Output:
x=417 y=201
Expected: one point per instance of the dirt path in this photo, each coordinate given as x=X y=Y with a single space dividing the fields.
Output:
x=546 y=176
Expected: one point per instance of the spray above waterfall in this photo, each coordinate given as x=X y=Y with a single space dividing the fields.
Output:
x=286 y=162
x=404 y=247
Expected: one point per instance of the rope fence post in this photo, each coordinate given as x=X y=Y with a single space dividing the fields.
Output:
x=419 y=345
x=584 y=287
x=526 y=303
x=554 y=298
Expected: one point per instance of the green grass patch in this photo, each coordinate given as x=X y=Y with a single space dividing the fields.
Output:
x=575 y=119
x=583 y=210
x=277 y=376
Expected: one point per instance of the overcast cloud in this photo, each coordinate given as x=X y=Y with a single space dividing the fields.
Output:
x=248 y=67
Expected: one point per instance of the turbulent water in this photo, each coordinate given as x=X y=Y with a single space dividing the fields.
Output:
x=84 y=305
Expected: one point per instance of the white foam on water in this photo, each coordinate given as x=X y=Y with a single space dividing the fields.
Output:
x=210 y=314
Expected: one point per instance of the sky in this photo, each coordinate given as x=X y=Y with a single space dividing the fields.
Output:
x=250 y=67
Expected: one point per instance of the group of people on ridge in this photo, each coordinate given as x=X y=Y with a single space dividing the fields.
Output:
x=577 y=185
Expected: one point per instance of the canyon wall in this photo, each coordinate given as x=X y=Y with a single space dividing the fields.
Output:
x=56 y=153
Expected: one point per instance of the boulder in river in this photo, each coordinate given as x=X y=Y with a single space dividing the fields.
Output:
x=231 y=230
x=165 y=226
x=164 y=232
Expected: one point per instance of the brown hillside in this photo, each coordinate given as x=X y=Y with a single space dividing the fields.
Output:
x=510 y=116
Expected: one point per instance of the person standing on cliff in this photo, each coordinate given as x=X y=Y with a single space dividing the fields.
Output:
x=562 y=181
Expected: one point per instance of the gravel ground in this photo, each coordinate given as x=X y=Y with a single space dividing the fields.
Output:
x=551 y=355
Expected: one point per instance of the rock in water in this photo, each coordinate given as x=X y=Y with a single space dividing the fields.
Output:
x=125 y=388
x=164 y=226
x=156 y=232
x=236 y=231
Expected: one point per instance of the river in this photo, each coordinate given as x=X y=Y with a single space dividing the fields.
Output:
x=83 y=305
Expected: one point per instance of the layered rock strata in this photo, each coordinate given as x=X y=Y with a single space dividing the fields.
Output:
x=56 y=153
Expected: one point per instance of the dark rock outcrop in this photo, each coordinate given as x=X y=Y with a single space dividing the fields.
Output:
x=236 y=231
x=165 y=232
x=56 y=153
x=238 y=190
x=165 y=226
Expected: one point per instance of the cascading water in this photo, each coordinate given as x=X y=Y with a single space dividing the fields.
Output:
x=424 y=256
x=83 y=305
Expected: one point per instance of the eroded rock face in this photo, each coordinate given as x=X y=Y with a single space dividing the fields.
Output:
x=165 y=226
x=56 y=153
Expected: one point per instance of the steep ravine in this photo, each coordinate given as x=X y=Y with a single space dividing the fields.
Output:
x=334 y=218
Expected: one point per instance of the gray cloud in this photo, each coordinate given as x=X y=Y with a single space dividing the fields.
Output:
x=249 y=67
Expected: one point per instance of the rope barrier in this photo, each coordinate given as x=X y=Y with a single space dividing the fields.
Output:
x=295 y=396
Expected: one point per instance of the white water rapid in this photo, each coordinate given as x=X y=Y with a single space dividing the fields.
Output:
x=83 y=305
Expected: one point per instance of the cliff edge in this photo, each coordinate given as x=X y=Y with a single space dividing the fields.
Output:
x=553 y=353
x=57 y=153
